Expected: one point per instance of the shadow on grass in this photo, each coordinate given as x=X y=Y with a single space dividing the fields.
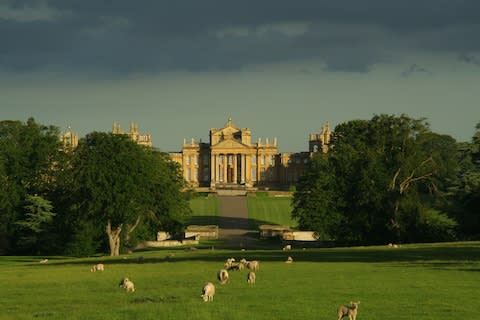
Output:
x=228 y=222
x=440 y=256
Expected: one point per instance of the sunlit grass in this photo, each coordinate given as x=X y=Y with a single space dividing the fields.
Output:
x=204 y=210
x=435 y=281
x=270 y=210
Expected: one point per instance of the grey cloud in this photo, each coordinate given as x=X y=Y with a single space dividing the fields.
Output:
x=468 y=58
x=413 y=69
x=125 y=36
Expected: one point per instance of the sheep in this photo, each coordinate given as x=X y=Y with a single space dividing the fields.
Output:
x=289 y=260
x=223 y=276
x=127 y=284
x=287 y=247
x=98 y=267
x=350 y=311
x=253 y=265
x=208 y=292
x=235 y=267
x=44 y=261
x=229 y=262
x=251 y=277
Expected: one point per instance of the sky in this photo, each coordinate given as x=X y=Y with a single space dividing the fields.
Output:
x=282 y=68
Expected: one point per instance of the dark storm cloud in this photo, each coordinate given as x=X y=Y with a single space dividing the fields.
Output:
x=151 y=35
x=413 y=69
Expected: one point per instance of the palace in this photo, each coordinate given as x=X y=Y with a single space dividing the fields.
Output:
x=231 y=160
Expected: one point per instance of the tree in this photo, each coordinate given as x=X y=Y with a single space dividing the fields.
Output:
x=385 y=169
x=37 y=220
x=120 y=184
x=28 y=152
x=466 y=191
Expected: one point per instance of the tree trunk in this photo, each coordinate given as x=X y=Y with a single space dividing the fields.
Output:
x=114 y=238
x=130 y=229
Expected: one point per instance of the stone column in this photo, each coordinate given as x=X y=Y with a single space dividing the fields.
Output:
x=212 y=169
x=225 y=165
x=235 y=168
x=217 y=168
x=243 y=168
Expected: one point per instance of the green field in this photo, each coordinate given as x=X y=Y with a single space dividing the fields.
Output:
x=204 y=210
x=270 y=210
x=435 y=281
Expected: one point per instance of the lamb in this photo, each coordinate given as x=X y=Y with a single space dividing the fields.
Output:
x=44 y=261
x=287 y=247
x=98 y=267
x=251 y=277
x=127 y=284
x=229 y=262
x=350 y=311
x=223 y=276
x=289 y=260
x=235 y=267
x=208 y=292
x=253 y=265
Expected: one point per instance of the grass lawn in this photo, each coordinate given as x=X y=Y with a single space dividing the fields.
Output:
x=270 y=210
x=205 y=210
x=433 y=281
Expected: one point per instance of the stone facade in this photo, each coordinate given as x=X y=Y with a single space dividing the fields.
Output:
x=142 y=139
x=231 y=160
x=70 y=139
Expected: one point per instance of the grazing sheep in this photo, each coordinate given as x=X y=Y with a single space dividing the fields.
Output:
x=229 y=262
x=208 y=292
x=44 y=261
x=127 y=284
x=253 y=265
x=350 y=311
x=251 y=277
x=223 y=276
x=235 y=267
x=98 y=267
x=289 y=260
x=287 y=247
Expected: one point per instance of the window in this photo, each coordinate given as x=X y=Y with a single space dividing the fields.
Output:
x=188 y=177
x=254 y=160
x=187 y=160
x=254 y=174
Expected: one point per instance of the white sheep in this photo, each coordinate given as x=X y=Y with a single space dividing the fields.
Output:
x=251 y=277
x=235 y=267
x=287 y=247
x=289 y=260
x=350 y=311
x=229 y=262
x=98 y=267
x=253 y=265
x=44 y=261
x=127 y=284
x=223 y=276
x=208 y=292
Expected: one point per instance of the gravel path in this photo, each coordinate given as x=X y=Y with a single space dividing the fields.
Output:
x=233 y=223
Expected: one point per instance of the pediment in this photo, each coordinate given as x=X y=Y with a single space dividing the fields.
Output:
x=229 y=144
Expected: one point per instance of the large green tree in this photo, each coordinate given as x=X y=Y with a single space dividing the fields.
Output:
x=379 y=179
x=466 y=191
x=28 y=154
x=115 y=183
